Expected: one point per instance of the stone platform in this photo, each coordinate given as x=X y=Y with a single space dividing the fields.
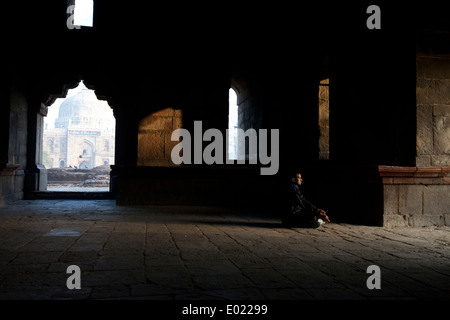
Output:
x=206 y=253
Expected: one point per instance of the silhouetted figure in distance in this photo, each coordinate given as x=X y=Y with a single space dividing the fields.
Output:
x=299 y=212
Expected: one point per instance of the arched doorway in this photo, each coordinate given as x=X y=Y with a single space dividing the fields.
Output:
x=78 y=142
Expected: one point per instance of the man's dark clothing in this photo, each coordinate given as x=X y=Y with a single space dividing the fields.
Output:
x=299 y=212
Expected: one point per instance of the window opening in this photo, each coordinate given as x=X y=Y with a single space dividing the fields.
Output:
x=232 y=124
x=324 y=119
x=83 y=13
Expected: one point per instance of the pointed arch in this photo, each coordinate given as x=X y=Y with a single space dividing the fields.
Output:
x=80 y=130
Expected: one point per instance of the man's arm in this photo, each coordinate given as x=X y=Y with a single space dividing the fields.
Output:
x=312 y=208
x=304 y=203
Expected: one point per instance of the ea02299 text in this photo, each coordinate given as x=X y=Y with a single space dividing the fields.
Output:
x=246 y=309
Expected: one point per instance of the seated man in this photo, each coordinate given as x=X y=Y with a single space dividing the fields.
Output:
x=300 y=212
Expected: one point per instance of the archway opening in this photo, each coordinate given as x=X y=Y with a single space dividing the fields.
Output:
x=79 y=142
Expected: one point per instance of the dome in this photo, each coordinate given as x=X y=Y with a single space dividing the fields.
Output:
x=84 y=109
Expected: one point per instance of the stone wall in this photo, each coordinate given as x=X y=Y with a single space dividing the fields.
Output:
x=249 y=113
x=196 y=185
x=433 y=110
x=154 y=137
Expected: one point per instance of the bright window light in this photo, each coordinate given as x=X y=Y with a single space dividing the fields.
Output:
x=84 y=13
x=232 y=124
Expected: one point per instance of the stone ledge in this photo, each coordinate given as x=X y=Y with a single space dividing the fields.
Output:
x=9 y=169
x=414 y=175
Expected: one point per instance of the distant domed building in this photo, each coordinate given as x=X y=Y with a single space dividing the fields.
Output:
x=83 y=135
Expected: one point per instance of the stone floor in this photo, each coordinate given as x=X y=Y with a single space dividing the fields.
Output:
x=203 y=253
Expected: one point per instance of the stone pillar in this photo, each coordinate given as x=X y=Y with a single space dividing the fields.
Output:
x=13 y=145
x=8 y=171
x=126 y=147
x=126 y=138
x=36 y=174
x=4 y=123
x=11 y=181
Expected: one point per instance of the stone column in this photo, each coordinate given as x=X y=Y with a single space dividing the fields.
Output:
x=4 y=123
x=13 y=142
x=126 y=137
x=126 y=145
x=36 y=174
x=8 y=171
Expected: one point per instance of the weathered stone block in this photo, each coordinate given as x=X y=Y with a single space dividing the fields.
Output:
x=440 y=160
x=424 y=136
x=441 y=110
x=436 y=199
x=442 y=135
x=390 y=199
x=432 y=91
x=150 y=146
x=423 y=161
x=446 y=219
x=410 y=199
x=396 y=220
x=426 y=220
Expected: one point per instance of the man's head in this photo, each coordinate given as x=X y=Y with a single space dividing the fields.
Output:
x=297 y=178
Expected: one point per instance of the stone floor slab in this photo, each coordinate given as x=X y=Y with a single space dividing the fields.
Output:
x=204 y=253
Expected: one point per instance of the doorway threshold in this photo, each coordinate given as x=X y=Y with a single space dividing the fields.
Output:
x=70 y=195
